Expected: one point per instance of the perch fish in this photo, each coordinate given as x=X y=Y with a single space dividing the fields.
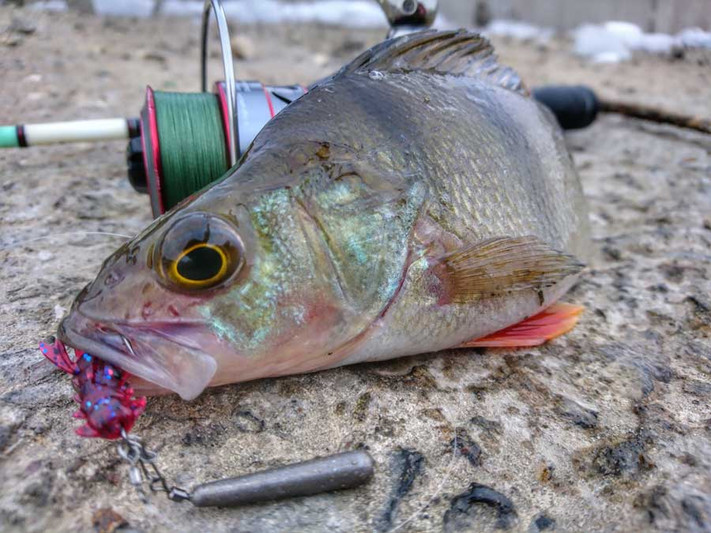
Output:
x=415 y=201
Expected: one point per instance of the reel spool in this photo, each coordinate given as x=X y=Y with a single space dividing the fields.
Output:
x=189 y=140
x=185 y=137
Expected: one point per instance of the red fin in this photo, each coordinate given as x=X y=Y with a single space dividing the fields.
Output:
x=550 y=323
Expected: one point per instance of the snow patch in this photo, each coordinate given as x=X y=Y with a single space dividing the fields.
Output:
x=348 y=13
x=352 y=13
x=54 y=6
x=518 y=30
x=133 y=8
x=616 y=41
x=695 y=37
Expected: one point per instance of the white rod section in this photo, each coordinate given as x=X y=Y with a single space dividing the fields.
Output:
x=77 y=131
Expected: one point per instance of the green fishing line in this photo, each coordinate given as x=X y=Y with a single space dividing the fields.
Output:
x=192 y=143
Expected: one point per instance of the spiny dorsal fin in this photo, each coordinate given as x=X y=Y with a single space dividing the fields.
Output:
x=502 y=265
x=458 y=53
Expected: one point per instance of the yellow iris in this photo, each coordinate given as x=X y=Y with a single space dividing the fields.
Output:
x=199 y=283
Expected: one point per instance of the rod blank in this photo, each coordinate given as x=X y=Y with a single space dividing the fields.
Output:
x=335 y=472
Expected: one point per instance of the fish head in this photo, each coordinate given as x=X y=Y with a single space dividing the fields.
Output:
x=277 y=269
x=144 y=312
x=216 y=291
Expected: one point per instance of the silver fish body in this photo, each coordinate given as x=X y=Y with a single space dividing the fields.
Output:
x=416 y=200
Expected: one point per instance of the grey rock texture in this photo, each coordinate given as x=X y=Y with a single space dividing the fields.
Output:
x=605 y=429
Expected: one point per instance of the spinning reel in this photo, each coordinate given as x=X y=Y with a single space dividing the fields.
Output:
x=230 y=117
x=184 y=141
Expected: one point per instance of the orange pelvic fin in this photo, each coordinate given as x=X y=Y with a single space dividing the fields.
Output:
x=550 y=323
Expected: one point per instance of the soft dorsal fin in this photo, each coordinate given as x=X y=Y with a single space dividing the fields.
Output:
x=457 y=53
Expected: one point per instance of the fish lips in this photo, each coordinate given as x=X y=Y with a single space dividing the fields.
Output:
x=167 y=354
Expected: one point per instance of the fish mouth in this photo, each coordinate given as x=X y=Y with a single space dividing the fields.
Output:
x=169 y=354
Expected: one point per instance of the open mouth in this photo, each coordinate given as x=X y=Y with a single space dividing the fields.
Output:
x=166 y=354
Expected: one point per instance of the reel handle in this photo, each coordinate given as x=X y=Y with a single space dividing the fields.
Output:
x=406 y=16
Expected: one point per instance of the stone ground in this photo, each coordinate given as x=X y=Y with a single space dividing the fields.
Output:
x=606 y=429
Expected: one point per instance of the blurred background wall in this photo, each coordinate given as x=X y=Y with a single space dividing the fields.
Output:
x=664 y=16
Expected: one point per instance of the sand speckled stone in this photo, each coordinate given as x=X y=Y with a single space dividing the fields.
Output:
x=606 y=429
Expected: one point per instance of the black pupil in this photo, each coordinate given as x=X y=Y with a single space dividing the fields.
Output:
x=200 y=264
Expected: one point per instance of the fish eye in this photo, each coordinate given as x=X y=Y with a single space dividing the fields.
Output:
x=199 y=251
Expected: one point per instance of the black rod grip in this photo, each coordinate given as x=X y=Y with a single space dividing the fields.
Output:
x=574 y=106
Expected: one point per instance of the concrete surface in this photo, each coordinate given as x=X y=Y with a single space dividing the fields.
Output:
x=606 y=429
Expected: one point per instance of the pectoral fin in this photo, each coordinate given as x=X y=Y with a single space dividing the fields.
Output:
x=550 y=323
x=500 y=266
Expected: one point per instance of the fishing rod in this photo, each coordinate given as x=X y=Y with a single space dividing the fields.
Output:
x=182 y=142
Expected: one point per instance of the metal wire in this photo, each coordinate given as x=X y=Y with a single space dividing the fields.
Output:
x=143 y=469
x=227 y=65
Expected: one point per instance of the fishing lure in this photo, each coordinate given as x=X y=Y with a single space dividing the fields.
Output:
x=109 y=408
x=106 y=400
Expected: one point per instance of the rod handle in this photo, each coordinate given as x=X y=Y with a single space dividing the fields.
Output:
x=574 y=106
